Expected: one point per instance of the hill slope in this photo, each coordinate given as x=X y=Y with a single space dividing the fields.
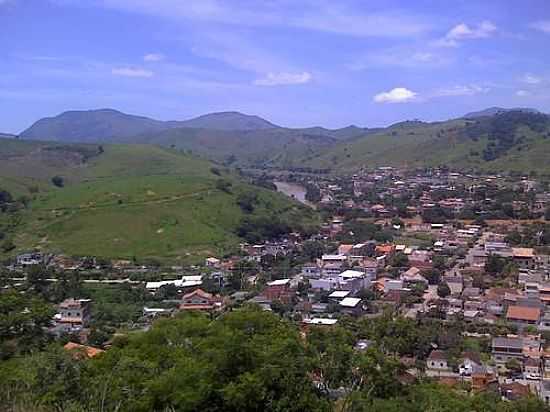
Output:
x=509 y=141
x=491 y=111
x=125 y=201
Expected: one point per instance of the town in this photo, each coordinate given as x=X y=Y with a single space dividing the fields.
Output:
x=456 y=266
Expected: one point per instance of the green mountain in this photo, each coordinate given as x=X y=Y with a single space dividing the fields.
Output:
x=223 y=136
x=507 y=141
x=134 y=200
x=91 y=126
x=228 y=121
x=491 y=111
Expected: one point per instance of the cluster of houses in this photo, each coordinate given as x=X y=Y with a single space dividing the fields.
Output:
x=363 y=279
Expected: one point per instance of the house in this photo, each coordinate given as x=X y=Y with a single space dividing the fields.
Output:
x=413 y=276
x=74 y=314
x=212 y=262
x=504 y=349
x=514 y=391
x=30 y=259
x=278 y=290
x=523 y=315
x=338 y=295
x=524 y=257
x=351 y=306
x=201 y=301
x=437 y=365
x=324 y=322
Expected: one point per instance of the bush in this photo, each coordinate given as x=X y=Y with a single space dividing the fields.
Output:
x=58 y=181
x=224 y=185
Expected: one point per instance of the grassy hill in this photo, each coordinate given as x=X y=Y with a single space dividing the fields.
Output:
x=130 y=200
x=508 y=141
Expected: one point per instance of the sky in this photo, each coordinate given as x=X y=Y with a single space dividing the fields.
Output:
x=296 y=63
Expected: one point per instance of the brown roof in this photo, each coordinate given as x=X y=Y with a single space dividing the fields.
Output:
x=438 y=354
x=523 y=313
x=199 y=292
x=523 y=252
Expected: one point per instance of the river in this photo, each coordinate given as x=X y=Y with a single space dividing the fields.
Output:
x=293 y=190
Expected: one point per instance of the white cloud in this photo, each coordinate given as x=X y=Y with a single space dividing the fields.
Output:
x=279 y=79
x=396 y=95
x=542 y=25
x=401 y=57
x=131 y=72
x=153 y=57
x=461 y=90
x=462 y=32
x=530 y=79
x=523 y=93
x=326 y=16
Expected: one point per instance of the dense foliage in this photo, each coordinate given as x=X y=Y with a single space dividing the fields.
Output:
x=245 y=360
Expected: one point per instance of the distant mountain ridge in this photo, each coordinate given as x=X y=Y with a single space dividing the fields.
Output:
x=222 y=136
x=492 y=138
x=491 y=111
x=228 y=121
x=109 y=125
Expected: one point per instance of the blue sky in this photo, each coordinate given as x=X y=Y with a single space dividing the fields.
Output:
x=296 y=63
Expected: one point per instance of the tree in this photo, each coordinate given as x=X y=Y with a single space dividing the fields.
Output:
x=7 y=245
x=313 y=249
x=443 y=290
x=23 y=320
x=495 y=265
x=58 y=181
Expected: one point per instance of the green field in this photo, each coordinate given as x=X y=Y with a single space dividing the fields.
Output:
x=129 y=201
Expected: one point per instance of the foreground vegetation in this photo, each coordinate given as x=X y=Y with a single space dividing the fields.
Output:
x=245 y=360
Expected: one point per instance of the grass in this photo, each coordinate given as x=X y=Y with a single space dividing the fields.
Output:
x=138 y=201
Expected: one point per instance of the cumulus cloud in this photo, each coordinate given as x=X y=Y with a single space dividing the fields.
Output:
x=396 y=95
x=131 y=72
x=542 y=25
x=530 y=79
x=463 y=31
x=153 y=57
x=279 y=79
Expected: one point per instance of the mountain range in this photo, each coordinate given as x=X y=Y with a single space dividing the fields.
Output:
x=477 y=140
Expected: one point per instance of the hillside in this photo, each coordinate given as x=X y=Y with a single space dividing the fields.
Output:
x=131 y=200
x=266 y=147
x=491 y=111
x=509 y=141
